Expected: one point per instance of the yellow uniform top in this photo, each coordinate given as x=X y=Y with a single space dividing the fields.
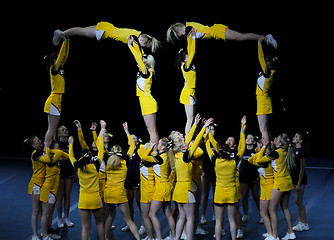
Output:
x=116 y=175
x=52 y=170
x=88 y=174
x=183 y=166
x=278 y=163
x=115 y=33
x=161 y=170
x=146 y=173
x=187 y=68
x=39 y=161
x=265 y=79
x=226 y=169
x=56 y=73
x=217 y=31
x=264 y=172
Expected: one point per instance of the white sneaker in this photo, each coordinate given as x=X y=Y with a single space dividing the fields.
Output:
x=301 y=227
x=47 y=238
x=125 y=229
x=112 y=227
x=54 y=236
x=142 y=230
x=271 y=41
x=183 y=236
x=35 y=238
x=223 y=233
x=60 y=223
x=244 y=218
x=201 y=231
x=56 y=37
x=289 y=236
x=68 y=222
x=203 y=219
x=240 y=234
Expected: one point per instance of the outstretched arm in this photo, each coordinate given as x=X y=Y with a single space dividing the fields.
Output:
x=80 y=135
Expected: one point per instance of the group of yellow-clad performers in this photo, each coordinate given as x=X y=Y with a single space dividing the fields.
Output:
x=170 y=168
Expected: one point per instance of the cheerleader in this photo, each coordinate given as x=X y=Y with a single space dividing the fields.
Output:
x=226 y=192
x=299 y=178
x=266 y=174
x=53 y=104
x=163 y=186
x=88 y=172
x=264 y=82
x=38 y=160
x=217 y=31
x=107 y=30
x=184 y=61
x=114 y=193
x=148 y=105
x=281 y=160
x=183 y=192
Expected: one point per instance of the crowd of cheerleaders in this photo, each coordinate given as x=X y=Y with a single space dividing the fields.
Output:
x=168 y=168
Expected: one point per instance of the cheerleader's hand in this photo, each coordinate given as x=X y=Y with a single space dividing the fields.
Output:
x=209 y=122
x=77 y=124
x=130 y=41
x=197 y=119
x=103 y=124
x=93 y=127
x=70 y=140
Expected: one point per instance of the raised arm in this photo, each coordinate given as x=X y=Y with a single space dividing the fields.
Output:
x=138 y=55
x=242 y=141
x=100 y=144
x=80 y=135
x=261 y=55
x=62 y=56
x=70 y=151
x=191 y=48
x=130 y=140
x=193 y=129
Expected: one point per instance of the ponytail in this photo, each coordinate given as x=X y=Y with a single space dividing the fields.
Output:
x=290 y=157
x=172 y=32
x=151 y=42
x=115 y=156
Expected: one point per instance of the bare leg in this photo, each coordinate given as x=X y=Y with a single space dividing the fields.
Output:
x=285 y=208
x=145 y=208
x=98 y=216
x=264 y=128
x=125 y=211
x=86 y=223
x=112 y=213
x=190 y=113
x=154 y=209
x=46 y=211
x=53 y=121
x=275 y=198
x=170 y=219
x=231 y=210
x=150 y=121
x=67 y=196
x=36 y=207
x=300 y=205
x=264 y=206
x=244 y=194
x=237 y=36
x=81 y=31
x=60 y=196
x=219 y=213
x=189 y=209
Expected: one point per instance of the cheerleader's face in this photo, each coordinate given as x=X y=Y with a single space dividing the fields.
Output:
x=161 y=147
x=178 y=135
x=94 y=146
x=62 y=131
x=230 y=142
x=105 y=138
x=37 y=143
x=297 y=139
x=250 y=140
x=181 y=31
x=142 y=41
x=277 y=142
x=135 y=139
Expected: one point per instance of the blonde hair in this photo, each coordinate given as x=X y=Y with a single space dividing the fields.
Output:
x=174 y=146
x=115 y=156
x=149 y=61
x=151 y=42
x=172 y=32
x=290 y=158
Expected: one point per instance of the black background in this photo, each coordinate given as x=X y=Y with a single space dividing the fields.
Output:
x=100 y=76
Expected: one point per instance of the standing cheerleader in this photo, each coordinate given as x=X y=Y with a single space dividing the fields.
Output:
x=281 y=160
x=299 y=178
x=184 y=61
x=264 y=82
x=53 y=104
x=38 y=160
x=88 y=172
x=226 y=192
x=183 y=192
x=148 y=105
x=107 y=30
x=217 y=31
x=114 y=193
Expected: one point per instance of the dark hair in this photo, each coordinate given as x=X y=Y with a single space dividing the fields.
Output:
x=27 y=144
x=305 y=137
x=49 y=59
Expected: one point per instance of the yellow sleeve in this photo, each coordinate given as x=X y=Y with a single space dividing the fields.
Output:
x=261 y=158
x=132 y=146
x=242 y=144
x=172 y=177
x=252 y=159
x=209 y=149
x=139 y=58
x=59 y=154
x=62 y=56
x=261 y=58
x=82 y=139
x=100 y=148
x=71 y=154
x=196 y=143
x=45 y=158
x=145 y=155
x=95 y=137
x=191 y=134
x=191 y=49
x=214 y=142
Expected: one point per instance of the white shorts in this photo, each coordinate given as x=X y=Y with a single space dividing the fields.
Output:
x=52 y=198
x=54 y=111
x=191 y=197
x=36 y=190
